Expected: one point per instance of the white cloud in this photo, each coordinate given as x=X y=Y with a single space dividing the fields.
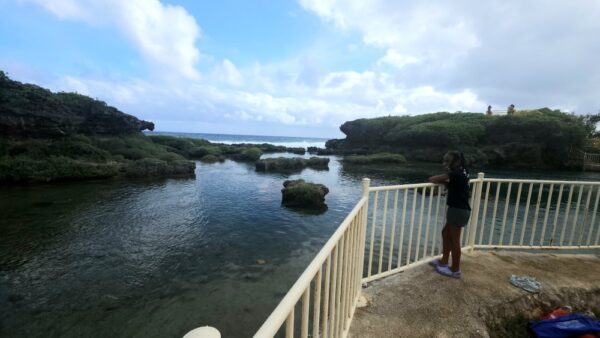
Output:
x=421 y=57
x=414 y=30
x=228 y=73
x=338 y=97
x=397 y=60
x=165 y=35
x=532 y=53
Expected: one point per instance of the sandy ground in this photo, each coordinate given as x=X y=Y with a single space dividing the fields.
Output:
x=422 y=303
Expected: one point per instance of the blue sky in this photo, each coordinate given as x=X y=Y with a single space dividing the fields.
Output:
x=302 y=68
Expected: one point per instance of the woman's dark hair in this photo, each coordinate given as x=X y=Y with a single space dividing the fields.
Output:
x=458 y=159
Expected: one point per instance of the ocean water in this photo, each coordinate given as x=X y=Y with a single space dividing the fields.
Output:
x=286 y=141
x=157 y=258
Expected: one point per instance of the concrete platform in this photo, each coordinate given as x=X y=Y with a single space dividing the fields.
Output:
x=422 y=303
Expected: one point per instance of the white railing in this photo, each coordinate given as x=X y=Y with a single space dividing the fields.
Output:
x=412 y=216
x=536 y=214
x=334 y=275
x=393 y=228
x=591 y=161
x=592 y=158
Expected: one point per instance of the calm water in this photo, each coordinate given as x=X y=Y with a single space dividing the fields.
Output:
x=158 y=258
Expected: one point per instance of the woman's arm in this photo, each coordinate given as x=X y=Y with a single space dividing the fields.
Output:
x=439 y=179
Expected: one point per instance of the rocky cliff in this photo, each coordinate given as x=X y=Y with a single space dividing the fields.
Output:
x=541 y=138
x=27 y=110
x=46 y=137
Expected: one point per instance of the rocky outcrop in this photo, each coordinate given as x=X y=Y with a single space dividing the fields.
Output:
x=290 y=165
x=375 y=158
x=298 y=193
x=541 y=138
x=320 y=151
x=247 y=155
x=151 y=167
x=27 y=111
x=296 y=150
x=48 y=137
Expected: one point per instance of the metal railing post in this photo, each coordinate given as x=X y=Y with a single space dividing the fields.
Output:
x=366 y=183
x=475 y=211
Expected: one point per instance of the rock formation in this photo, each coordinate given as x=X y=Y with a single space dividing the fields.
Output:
x=27 y=110
x=298 y=193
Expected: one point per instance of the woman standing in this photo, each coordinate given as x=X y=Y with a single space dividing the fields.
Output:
x=458 y=212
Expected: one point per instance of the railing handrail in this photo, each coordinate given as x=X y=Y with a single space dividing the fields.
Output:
x=410 y=186
x=510 y=180
x=473 y=180
x=274 y=322
x=283 y=314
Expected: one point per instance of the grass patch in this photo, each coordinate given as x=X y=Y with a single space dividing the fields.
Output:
x=375 y=158
x=82 y=157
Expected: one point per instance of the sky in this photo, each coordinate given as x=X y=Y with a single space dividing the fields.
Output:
x=302 y=68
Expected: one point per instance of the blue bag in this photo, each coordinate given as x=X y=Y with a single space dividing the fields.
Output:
x=570 y=325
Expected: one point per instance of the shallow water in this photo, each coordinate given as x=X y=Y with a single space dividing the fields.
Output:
x=159 y=258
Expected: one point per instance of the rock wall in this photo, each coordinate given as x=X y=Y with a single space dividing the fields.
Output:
x=27 y=110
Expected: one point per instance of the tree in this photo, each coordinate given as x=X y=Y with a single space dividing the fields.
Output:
x=591 y=124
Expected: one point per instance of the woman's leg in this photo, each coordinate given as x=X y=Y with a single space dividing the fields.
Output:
x=454 y=235
x=446 y=245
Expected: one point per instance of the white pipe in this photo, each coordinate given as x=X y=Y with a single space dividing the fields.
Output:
x=524 y=226
x=576 y=215
x=562 y=234
x=594 y=218
x=305 y=305
x=437 y=212
x=556 y=213
x=317 y=304
x=428 y=222
x=505 y=213
x=412 y=225
x=423 y=194
x=401 y=241
x=540 y=181
x=493 y=225
x=516 y=214
x=538 y=247
x=382 y=239
x=546 y=214
x=393 y=234
x=537 y=211
x=485 y=206
x=372 y=242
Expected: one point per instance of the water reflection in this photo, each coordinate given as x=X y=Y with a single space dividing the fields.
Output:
x=158 y=258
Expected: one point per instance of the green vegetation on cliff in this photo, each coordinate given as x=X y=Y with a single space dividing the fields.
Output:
x=28 y=110
x=375 y=158
x=47 y=136
x=540 y=138
x=80 y=157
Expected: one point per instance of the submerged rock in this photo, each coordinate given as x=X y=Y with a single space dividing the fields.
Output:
x=320 y=151
x=151 y=167
x=296 y=150
x=298 y=193
x=287 y=165
x=212 y=158
x=247 y=155
x=375 y=158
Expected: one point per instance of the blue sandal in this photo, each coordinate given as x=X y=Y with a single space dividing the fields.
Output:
x=436 y=262
x=445 y=271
